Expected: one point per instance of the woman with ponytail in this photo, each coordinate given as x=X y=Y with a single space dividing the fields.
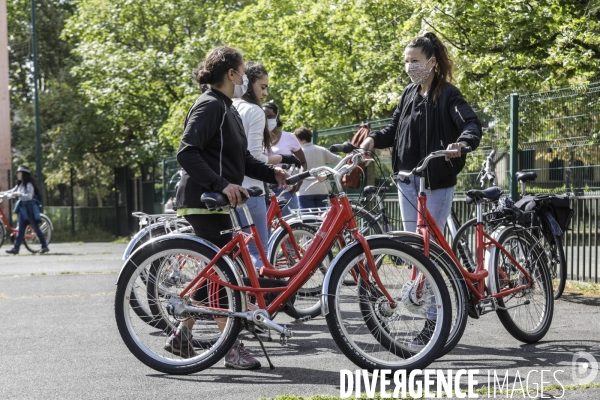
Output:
x=432 y=115
x=214 y=155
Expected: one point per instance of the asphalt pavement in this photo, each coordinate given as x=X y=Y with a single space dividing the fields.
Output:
x=59 y=340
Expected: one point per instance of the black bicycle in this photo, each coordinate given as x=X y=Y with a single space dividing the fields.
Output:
x=550 y=216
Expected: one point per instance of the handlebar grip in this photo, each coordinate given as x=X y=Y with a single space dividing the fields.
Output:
x=465 y=150
x=297 y=178
x=346 y=148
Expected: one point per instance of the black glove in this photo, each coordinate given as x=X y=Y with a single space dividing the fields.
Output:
x=290 y=159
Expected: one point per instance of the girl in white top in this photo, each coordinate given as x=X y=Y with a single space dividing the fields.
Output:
x=259 y=144
x=27 y=209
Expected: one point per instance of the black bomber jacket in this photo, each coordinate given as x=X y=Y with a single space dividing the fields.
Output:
x=451 y=120
x=213 y=151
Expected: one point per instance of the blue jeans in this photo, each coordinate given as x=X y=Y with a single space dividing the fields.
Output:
x=258 y=211
x=313 y=201
x=36 y=228
x=439 y=204
x=293 y=204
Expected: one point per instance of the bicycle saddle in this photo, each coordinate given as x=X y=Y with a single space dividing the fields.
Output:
x=375 y=189
x=492 y=193
x=215 y=200
x=526 y=176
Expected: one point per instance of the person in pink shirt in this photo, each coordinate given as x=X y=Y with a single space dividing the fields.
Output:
x=283 y=142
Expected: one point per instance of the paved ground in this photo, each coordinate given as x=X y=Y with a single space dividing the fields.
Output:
x=59 y=340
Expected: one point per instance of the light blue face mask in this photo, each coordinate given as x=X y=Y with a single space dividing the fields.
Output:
x=272 y=122
x=240 y=90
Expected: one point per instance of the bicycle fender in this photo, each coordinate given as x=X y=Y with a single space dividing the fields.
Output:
x=171 y=236
x=138 y=236
x=134 y=240
x=556 y=231
x=334 y=263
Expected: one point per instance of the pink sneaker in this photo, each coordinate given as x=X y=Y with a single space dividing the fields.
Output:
x=239 y=358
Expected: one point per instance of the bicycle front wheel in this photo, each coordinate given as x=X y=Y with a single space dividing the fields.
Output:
x=526 y=314
x=173 y=263
x=31 y=240
x=372 y=332
x=454 y=281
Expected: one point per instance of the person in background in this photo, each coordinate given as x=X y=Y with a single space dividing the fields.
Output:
x=259 y=145
x=27 y=209
x=313 y=194
x=214 y=155
x=283 y=142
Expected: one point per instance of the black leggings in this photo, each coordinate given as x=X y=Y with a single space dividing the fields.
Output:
x=209 y=227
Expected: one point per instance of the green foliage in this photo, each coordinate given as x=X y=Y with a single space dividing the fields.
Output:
x=115 y=75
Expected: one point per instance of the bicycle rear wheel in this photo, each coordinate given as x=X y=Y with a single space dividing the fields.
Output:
x=464 y=244
x=31 y=240
x=282 y=255
x=530 y=310
x=375 y=334
x=212 y=336
x=2 y=234
x=557 y=262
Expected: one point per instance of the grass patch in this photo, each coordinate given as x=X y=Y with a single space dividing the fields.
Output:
x=583 y=288
x=482 y=391
x=62 y=234
x=121 y=240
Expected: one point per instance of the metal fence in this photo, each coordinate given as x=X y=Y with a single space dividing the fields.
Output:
x=556 y=134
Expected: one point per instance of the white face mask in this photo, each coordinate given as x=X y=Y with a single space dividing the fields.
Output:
x=239 y=90
x=272 y=124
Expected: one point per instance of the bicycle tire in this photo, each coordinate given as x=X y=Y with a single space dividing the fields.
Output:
x=141 y=307
x=146 y=342
x=464 y=245
x=31 y=241
x=525 y=249
x=367 y=329
x=454 y=280
x=308 y=301
x=557 y=262
x=2 y=234
x=367 y=222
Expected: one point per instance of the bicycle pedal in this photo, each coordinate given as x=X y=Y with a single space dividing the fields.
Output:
x=487 y=305
x=302 y=320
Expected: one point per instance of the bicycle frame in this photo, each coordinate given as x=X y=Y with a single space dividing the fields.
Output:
x=338 y=219
x=428 y=228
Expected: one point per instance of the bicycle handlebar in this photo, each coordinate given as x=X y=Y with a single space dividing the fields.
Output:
x=402 y=176
x=346 y=147
x=297 y=178
x=486 y=173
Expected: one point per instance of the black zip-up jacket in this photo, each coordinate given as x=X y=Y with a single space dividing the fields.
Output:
x=214 y=151
x=450 y=119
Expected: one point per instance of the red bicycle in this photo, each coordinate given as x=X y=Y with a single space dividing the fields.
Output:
x=511 y=274
x=31 y=240
x=376 y=322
